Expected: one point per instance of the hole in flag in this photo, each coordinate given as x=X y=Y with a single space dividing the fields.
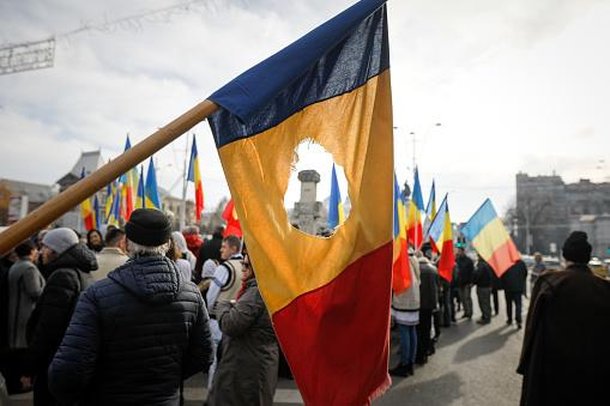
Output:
x=316 y=201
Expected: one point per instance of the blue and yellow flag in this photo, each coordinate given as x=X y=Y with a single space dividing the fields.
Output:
x=336 y=214
x=141 y=195
x=151 y=192
x=328 y=297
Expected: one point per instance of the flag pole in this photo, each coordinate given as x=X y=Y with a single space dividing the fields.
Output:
x=75 y=194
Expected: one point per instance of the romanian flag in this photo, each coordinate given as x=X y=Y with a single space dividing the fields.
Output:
x=430 y=211
x=195 y=177
x=414 y=220
x=336 y=215
x=140 y=197
x=431 y=207
x=491 y=240
x=401 y=272
x=109 y=202
x=230 y=216
x=97 y=211
x=86 y=211
x=151 y=193
x=444 y=243
x=329 y=298
x=128 y=181
x=114 y=218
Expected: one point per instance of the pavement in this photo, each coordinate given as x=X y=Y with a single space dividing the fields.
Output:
x=474 y=365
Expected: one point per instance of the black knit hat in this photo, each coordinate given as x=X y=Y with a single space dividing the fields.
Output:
x=148 y=227
x=576 y=248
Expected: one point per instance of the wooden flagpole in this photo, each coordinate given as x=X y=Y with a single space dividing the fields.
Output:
x=77 y=193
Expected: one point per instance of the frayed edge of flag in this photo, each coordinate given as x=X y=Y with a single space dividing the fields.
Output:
x=379 y=392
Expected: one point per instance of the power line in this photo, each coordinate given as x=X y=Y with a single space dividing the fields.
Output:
x=41 y=54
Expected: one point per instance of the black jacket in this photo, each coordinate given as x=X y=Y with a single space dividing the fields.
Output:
x=566 y=357
x=133 y=338
x=465 y=270
x=69 y=275
x=428 y=287
x=482 y=276
x=514 y=279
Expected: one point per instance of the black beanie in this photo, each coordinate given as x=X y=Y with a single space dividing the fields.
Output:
x=148 y=227
x=576 y=248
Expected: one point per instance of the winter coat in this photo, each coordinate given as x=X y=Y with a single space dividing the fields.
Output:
x=108 y=259
x=134 y=337
x=465 y=270
x=409 y=300
x=25 y=287
x=514 y=279
x=428 y=287
x=247 y=373
x=482 y=276
x=565 y=358
x=69 y=275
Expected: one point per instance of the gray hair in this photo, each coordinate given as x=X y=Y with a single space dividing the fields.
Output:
x=135 y=249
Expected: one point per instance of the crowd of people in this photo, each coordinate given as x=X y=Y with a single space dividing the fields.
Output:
x=126 y=317
x=432 y=303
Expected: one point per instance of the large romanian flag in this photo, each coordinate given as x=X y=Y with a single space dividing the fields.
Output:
x=401 y=271
x=490 y=238
x=329 y=298
x=195 y=176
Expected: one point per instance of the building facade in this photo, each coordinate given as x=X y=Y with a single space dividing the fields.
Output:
x=548 y=209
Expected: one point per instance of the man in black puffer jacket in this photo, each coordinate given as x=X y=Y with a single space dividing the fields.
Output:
x=68 y=265
x=136 y=334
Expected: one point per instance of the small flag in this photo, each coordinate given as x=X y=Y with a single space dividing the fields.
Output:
x=447 y=260
x=97 y=212
x=151 y=192
x=114 y=218
x=336 y=215
x=490 y=238
x=195 y=177
x=141 y=195
x=86 y=210
x=431 y=207
x=128 y=181
x=414 y=221
x=109 y=202
x=230 y=216
x=401 y=272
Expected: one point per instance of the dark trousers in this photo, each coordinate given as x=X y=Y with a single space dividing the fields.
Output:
x=423 y=335
x=496 y=303
x=513 y=297
x=483 y=295
x=42 y=396
x=447 y=311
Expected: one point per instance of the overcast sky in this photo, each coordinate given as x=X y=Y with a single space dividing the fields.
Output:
x=518 y=85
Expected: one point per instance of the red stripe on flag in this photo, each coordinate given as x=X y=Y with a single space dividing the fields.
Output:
x=446 y=261
x=504 y=257
x=401 y=273
x=336 y=337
